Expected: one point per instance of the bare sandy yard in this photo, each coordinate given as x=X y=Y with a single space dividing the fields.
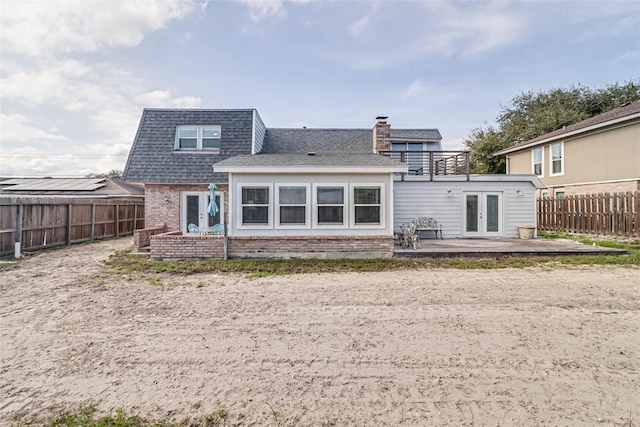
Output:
x=432 y=347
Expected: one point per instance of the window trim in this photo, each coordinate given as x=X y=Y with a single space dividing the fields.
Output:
x=345 y=207
x=199 y=138
x=239 y=222
x=307 y=205
x=561 y=145
x=533 y=161
x=352 y=205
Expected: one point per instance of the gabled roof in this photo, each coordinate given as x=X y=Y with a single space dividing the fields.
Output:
x=323 y=162
x=626 y=112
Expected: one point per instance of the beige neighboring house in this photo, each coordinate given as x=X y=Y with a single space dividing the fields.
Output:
x=597 y=155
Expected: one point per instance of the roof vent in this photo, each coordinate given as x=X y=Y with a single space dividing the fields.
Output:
x=311 y=153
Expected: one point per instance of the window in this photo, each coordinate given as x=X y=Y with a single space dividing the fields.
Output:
x=330 y=205
x=559 y=193
x=366 y=204
x=292 y=205
x=557 y=159
x=409 y=153
x=198 y=138
x=255 y=205
x=537 y=161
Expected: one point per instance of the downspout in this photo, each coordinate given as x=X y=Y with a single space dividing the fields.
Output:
x=226 y=236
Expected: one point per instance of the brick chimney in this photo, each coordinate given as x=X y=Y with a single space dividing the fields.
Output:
x=381 y=135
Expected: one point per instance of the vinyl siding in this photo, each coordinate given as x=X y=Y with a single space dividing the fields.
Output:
x=259 y=129
x=413 y=199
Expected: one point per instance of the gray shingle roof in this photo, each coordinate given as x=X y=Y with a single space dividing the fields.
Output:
x=419 y=134
x=318 y=140
x=304 y=160
x=152 y=158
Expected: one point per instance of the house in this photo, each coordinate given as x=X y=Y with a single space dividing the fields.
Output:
x=308 y=192
x=66 y=189
x=597 y=155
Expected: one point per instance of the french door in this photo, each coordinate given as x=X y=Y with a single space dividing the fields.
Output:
x=194 y=210
x=483 y=214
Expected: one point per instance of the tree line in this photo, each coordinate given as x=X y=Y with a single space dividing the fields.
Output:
x=531 y=114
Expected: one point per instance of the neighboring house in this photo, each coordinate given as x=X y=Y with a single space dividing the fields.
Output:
x=597 y=155
x=309 y=192
x=21 y=189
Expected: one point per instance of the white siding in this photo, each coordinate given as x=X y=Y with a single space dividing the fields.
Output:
x=425 y=198
x=384 y=180
x=259 y=129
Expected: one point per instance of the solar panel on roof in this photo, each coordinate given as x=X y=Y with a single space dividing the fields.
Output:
x=56 y=184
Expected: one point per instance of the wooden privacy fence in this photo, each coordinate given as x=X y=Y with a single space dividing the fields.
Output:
x=606 y=214
x=39 y=226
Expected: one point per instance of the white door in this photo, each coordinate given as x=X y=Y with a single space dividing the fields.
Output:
x=193 y=210
x=483 y=214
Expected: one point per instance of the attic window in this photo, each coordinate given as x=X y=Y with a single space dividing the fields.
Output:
x=198 y=138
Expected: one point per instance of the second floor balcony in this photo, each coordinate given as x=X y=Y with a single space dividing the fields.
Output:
x=433 y=163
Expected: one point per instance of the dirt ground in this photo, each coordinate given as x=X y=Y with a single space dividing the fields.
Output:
x=535 y=346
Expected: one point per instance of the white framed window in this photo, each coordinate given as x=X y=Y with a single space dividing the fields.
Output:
x=205 y=137
x=557 y=159
x=558 y=193
x=292 y=206
x=255 y=206
x=329 y=206
x=537 y=161
x=367 y=207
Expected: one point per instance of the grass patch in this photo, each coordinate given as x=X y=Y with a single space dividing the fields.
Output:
x=124 y=262
x=87 y=416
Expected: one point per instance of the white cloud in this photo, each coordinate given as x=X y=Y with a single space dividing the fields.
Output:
x=633 y=55
x=163 y=98
x=52 y=26
x=444 y=28
x=262 y=9
x=16 y=127
x=416 y=88
x=358 y=27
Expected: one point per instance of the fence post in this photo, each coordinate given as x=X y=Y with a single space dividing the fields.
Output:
x=18 y=237
x=69 y=224
x=93 y=221
x=135 y=217
x=117 y=220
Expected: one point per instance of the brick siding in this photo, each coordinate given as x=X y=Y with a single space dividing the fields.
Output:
x=162 y=202
x=142 y=237
x=174 y=245
x=609 y=187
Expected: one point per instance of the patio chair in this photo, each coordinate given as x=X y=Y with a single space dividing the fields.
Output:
x=410 y=235
x=192 y=229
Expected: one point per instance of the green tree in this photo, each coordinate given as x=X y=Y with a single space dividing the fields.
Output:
x=112 y=174
x=529 y=115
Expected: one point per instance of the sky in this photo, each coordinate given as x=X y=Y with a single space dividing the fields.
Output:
x=76 y=75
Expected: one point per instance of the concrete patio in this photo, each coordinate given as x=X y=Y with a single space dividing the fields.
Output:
x=496 y=247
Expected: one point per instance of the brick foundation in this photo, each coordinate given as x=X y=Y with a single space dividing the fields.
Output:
x=173 y=245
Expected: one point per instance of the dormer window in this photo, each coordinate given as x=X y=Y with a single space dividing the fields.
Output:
x=198 y=138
